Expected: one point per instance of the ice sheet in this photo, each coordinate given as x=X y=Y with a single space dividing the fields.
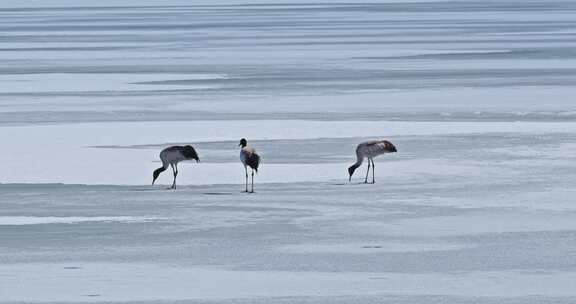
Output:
x=477 y=206
x=91 y=283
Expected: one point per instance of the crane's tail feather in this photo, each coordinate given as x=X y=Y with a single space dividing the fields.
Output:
x=253 y=161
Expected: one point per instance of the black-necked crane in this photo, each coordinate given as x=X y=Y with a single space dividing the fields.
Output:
x=369 y=150
x=171 y=156
x=249 y=158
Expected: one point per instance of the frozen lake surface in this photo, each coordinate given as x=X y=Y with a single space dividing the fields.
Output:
x=477 y=206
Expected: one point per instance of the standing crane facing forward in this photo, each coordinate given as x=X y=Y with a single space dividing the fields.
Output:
x=172 y=156
x=249 y=158
x=369 y=150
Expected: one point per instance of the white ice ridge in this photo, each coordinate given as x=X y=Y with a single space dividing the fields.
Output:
x=37 y=220
x=144 y=133
x=143 y=3
x=79 y=82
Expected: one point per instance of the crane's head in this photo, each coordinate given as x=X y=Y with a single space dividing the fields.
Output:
x=391 y=148
x=190 y=153
x=351 y=171
x=243 y=143
x=157 y=173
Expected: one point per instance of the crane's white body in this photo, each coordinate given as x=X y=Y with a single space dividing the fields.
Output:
x=369 y=150
x=245 y=153
x=171 y=156
x=249 y=158
x=373 y=148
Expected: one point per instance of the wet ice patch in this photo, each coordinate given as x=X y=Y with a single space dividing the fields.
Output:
x=78 y=82
x=538 y=151
x=37 y=220
x=369 y=248
x=472 y=224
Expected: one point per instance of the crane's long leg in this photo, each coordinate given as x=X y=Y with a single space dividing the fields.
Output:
x=373 y=167
x=367 y=171
x=252 y=182
x=175 y=175
x=175 y=171
x=246 y=170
